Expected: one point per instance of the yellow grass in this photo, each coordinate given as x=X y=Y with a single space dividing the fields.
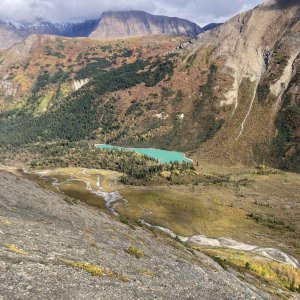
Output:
x=135 y=252
x=275 y=272
x=4 y=222
x=96 y=270
x=15 y=249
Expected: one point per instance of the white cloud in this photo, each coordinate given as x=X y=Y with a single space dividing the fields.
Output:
x=199 y=11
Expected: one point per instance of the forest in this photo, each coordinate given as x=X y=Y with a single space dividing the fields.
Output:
x=84 y=111
x=63 y=136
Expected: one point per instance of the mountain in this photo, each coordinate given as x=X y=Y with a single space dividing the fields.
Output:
x=139 y=23
x=257 y=56
x=229 y=95
x=12 y=33
x=110 y=25
x=211 y=26
x=228 y=98
x=8 y=35
x=80 y=29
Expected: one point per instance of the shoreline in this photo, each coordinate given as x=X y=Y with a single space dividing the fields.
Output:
x=132 y=149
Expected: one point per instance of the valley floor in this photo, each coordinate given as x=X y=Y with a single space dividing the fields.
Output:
x=57 y=232
x=50 y=249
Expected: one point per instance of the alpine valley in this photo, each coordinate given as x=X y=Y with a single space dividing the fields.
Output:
x=81 y=219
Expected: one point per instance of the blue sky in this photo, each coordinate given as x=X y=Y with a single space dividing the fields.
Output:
x=199 y=11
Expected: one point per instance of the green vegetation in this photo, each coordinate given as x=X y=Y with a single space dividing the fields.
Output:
x=178 y=98
x=263 y=91
x=137 y=169
x=69 y=200
x=126 y=221
x=125 y=53
x=132 y=250
x=93 y=69
x=207 y=103
x=273 y=272
x=220 y=261
x=280 y=57
x=273 y=223
x=45 y=78
x=279 y=61
x=42 y=81
x=285 y=148
x=80 y=115
x=50 y=52
x=138 y=108
x=190 y=60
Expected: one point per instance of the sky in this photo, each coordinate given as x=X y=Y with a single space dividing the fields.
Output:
x=199 y=11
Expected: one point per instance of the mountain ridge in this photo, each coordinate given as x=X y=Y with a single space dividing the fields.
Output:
x=145 y=24
x=229 y=85
x=118 y=24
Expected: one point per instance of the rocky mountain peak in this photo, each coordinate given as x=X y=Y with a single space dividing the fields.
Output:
x=117 y=24
x=112 y=24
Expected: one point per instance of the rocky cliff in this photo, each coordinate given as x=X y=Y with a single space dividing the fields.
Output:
x=256 y=54
x=139 y=23
x=110 y=25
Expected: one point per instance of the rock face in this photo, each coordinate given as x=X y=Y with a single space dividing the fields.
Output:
x=138 y=23
x=49 y=249
x=110 y=25
x=258 y=51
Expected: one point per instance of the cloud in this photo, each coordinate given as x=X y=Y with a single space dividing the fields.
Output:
x=199 y=11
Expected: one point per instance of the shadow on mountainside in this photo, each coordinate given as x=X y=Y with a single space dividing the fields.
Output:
x=284 y=4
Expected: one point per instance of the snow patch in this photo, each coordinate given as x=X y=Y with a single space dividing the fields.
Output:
x=181 y=116
x=162 y=116
x=78 y=84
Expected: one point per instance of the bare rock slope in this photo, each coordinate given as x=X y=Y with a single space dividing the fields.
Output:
x=139 y=23
x=255 y=59
x=50 y=249
x=110 y=25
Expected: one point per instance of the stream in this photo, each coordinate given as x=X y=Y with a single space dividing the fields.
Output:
x=113 y=198
x=227 y=243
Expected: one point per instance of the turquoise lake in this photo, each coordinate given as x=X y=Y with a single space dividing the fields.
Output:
x=163 y=156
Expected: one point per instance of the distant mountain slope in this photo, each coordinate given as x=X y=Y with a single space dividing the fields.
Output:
x=110 y=25
x=139 y=23
x=231 y=95
x=80 y=29
x=211 y=26
x=8 y=35
x=12 y=33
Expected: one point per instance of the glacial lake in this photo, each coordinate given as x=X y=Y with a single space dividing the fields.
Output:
x=163 y=156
